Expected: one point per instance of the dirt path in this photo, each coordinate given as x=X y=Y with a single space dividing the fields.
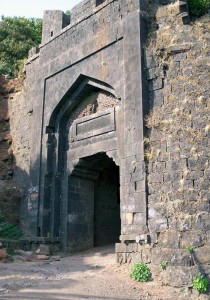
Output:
x=92 y=274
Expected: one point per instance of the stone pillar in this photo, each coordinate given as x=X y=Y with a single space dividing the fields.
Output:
x=133 y=195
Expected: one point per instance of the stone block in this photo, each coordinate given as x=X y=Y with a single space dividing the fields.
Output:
x=202 y=221
x=154 y=73
x=136 y=202
x=43 y=250
x=202 y=255
x=197 y=164
x=129 y=257
x=139 y=219
x=179 y=48
x=180 y=57
x=159 y=255
x=120 y=247
x=131 y=247
x=155 y=84
x=207 y=174
x=146 y=255
x=174 y=257
x=191 y=195
x=193 y=175
x=158 y=224
x=168 y=239
x=178 y=276
x=150 y=62
x=121 y=258
x=137 y=257
x=159 y=166
x=192 y=238
x=201 y=184
x=156 y=177
x=129 y=218
x=153 y=213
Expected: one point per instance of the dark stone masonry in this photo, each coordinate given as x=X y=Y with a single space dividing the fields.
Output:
x=117 y=128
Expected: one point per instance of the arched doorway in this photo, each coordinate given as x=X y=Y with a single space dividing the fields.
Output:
x=82 y=136
x=93 y=203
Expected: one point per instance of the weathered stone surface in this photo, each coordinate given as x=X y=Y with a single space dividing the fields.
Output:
x=158 y=224
x=3 y=254
x=42 y=257
x=24 y=255
x=192 y=238
x=169 y=239
x=178 y=276
x=174 y=257
x=43 y=250
x=202 y=255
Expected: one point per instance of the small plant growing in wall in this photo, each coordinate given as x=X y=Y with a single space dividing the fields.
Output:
x=141 y=272
x=164 y=265
x=190 y=249
x=49 y=235
x=200 y=283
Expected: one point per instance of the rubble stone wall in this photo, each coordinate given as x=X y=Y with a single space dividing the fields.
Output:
x=11 y=190
x=177 y=69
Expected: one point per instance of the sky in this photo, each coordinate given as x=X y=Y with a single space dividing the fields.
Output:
x=33 y=9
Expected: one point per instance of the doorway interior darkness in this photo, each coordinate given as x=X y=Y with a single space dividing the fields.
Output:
x=94 y=203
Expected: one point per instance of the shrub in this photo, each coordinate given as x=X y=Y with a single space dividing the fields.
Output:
x=8 y=230
x=141 y=272
x=200 y=283
x=190 y=249
x=199 y=7
x=164 y=265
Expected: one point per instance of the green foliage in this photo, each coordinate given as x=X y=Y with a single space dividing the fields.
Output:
x=8 y=230
x=200 y=283
x=199 y=7
x=190 y=248
x=49 y=235
x=141 y=272
x=17 y=36
x=68 y=12
x=164 y=265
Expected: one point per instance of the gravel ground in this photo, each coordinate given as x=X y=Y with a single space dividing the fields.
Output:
x=92 y=274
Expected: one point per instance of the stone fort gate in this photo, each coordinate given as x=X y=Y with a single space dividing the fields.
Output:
x=87 y=167
x=97 y=176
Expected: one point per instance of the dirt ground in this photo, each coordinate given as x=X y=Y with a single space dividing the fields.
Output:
x=92 y=274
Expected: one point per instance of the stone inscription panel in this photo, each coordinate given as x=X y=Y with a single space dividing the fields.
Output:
x=96 y=124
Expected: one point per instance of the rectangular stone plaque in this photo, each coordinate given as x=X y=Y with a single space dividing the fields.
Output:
x=95 y=124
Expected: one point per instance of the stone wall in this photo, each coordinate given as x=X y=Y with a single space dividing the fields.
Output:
x=93 y=66
x=10 y=189
x=177 y=69
x=6 y=157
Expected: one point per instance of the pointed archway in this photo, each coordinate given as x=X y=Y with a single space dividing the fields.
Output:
x=93 y=103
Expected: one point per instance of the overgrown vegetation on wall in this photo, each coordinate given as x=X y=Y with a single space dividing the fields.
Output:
x=17 y=36
x=8 y=230
x=199 y=7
